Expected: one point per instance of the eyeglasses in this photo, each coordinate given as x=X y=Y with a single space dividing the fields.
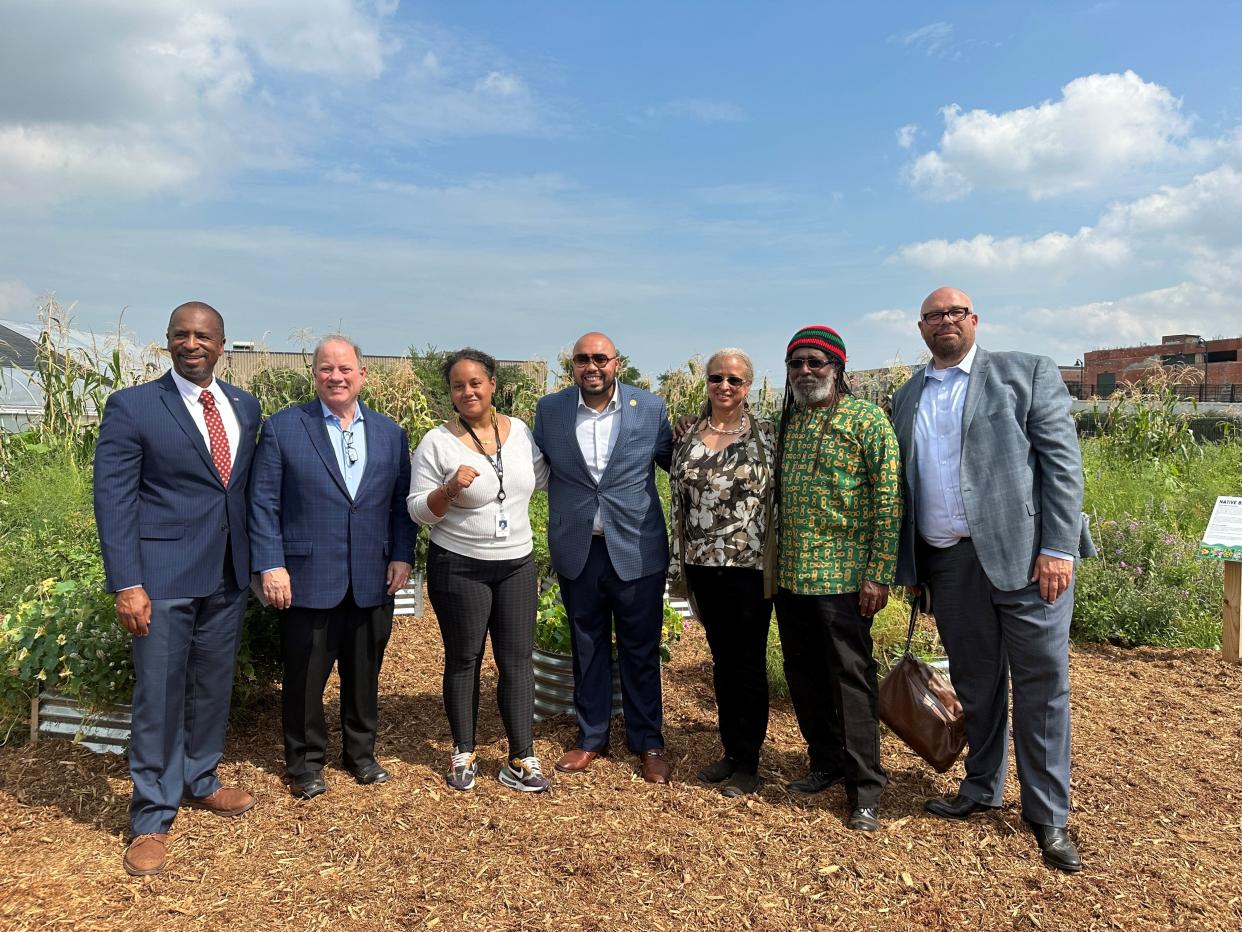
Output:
x=952 y=314
x=582 y=359
x=716 y=378
x=350 y=453
x=814 y=363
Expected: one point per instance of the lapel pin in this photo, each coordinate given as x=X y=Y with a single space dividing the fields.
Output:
x=633 y=402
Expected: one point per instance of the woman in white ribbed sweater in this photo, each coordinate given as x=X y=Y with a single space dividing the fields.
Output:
x=471 y=482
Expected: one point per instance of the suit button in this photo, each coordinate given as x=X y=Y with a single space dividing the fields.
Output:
x=353 y=510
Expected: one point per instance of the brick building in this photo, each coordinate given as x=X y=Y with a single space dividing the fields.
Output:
x=1217 y=362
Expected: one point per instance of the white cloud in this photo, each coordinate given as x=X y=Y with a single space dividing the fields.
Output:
x=906 y=134
x=1188 y=236
x=154 y=96
x=1013 y=253
x=1208 y=206
x=704 y=111
x=1104 y=126
x=1133 y=320
x=933 y=39
x=888 y=315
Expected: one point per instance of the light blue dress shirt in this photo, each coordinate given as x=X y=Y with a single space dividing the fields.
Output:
x=342 y=440
x=941 y=513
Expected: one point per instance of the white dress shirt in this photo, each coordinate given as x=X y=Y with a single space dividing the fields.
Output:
x=596 y=432
x=189 y=394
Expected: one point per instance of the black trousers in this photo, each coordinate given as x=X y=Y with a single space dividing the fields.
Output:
x=735 y=616
x=311 y=641
x=832 y=680
x=473 y=598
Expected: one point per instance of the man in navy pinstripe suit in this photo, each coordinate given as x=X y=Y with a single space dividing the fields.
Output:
x=330 y=533
x=609 y=546
x=171 y=470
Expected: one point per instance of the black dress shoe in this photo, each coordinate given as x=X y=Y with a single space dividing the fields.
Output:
x=815 y=782
x=370 y=773
x=308 y=786
x=741 y=784
x=957 y=808
x=721 y=770
x=1058 y=847
x=864 y=819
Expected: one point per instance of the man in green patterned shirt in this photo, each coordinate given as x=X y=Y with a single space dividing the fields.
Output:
x=840 y=521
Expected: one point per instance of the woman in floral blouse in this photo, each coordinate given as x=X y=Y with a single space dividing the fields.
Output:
x=723 y=557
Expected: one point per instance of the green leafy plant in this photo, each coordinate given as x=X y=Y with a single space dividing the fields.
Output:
x=63 y=637
x=1150 y=419
x=1147 y=586
x=552 y=625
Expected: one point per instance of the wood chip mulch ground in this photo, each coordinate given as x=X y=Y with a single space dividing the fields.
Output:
x=1157 y=784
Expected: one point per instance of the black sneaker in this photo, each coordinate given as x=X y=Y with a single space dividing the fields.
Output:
x=815 y=782
x=714 y=773
x=741 y=784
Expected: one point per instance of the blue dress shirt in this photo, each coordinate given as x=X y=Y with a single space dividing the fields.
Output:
x=343 y=440
x=941 y=513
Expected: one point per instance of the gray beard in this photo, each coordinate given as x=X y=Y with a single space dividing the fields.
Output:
x=818 y=395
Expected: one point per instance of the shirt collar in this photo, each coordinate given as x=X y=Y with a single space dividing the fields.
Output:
x=931 y=372
x=612 y=402
x=190 y=391
x=330 y=416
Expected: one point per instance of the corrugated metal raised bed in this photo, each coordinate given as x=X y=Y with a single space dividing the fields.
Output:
x=554 y=685
x=104 y=731
x=409 y=601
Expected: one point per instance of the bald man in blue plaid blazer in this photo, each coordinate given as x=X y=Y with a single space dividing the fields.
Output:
x=609 y=545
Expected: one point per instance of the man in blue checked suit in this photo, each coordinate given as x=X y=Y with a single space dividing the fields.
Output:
x=994 y=527
x=333 y=541
x=609 y=546
x=171 y=469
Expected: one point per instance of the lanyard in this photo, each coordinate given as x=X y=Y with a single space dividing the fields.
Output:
x=498 y=463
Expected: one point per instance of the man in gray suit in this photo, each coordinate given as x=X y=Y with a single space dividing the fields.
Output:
x=603 y=440
x=995 y=524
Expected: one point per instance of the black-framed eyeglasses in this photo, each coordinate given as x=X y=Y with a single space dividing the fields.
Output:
x=814 y=363
x=350 y=453
x=581 y=360
x=734 y=380
x=952 y=314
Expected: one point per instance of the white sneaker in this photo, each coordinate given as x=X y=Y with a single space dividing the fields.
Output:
x=463 y=767
x=524 y=774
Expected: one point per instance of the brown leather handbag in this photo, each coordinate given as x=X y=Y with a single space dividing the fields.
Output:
x=922 y=709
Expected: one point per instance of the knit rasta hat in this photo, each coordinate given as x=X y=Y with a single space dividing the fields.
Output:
x=819 y=337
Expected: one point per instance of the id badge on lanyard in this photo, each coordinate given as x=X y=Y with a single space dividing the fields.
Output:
x=498 y=464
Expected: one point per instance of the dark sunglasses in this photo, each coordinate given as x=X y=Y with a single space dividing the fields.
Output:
x=716 y=378
x=600 y=360
x=813 y=363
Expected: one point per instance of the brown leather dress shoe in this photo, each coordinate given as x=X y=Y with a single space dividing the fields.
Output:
x=226 y=801
x=576 y=760
x=654 y=765
x=147 y=854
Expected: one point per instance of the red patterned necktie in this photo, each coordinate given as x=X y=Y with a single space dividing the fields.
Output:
x=220 y=454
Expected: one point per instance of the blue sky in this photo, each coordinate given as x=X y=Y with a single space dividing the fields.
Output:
x=682 y=176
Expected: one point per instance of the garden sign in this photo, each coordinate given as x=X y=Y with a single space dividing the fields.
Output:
x=1223 y=541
